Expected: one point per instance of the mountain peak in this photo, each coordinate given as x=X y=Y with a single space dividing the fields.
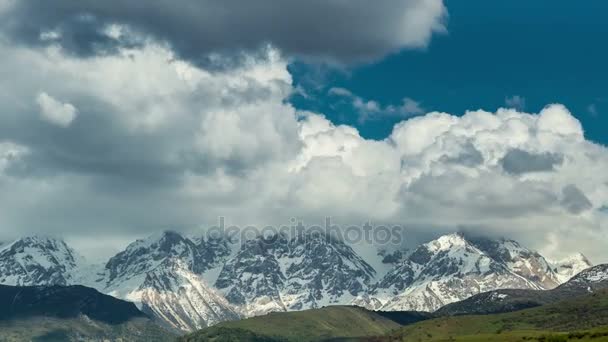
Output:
x=570 y=266
x=446 y=242
x=37 y=260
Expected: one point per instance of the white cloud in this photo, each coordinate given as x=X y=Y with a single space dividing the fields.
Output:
x=163 y=144
x=54 y=111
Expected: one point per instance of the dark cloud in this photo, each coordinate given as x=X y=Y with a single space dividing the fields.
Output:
x=518 y=162
x=574 y=200
x=338 y=31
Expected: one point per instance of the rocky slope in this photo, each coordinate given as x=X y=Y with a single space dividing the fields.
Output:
x=304 y=272
x=505 y=300
x=454 y=267
x=163 y=276
x=39 y=261
x=569 y=267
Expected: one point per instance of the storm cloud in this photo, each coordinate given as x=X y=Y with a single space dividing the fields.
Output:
x=330 y=31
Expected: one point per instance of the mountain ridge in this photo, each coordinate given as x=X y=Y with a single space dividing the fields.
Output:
x=187 y=284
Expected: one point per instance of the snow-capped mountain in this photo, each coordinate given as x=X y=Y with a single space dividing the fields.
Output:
x=520 y=260
x=569 y=267
x=181 y=299
x=163 y=275
x=38 y=261
x=507 y=300
x=589 y=280
x=454 y=267
x=307 y=271
x=187 y=284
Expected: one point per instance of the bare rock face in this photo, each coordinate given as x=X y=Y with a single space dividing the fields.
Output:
x=304 y=272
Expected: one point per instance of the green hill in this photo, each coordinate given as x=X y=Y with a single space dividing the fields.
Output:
x=310 y=325
x=585 y=317
x=72 y=313
x=47 y=329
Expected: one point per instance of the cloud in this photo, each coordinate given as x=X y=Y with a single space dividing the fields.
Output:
x=574 y=200
x=54 y=111
x=372 y=110
x=518 y=162
x=410 y=107
x=160 y=142
x=592 y=109
x=196 y=30
x=516 y=101
x=9 y=154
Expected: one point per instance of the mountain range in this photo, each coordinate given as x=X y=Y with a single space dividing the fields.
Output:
x=187 y=284
x=575 y=311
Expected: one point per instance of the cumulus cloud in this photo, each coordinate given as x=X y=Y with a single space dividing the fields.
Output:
x=161 y=142
x=54 y=111
x=315 y=29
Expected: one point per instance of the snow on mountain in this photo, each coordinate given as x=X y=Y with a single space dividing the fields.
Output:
x=590 y=279
x=522 y=261
x=181 y=299
x=307 y=271
x=452 y=268
x=567 y=268
x=188 y=284
x=163 y=276
x=38 y=261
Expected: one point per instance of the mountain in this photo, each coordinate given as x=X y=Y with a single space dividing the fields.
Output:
x=181 y=299
x=582 y=318
x=571 y=266
x=187 y=284
x=454 y=267
x=505 y=300
x=71 y=313
x=309 y=325
x=38 y=261
x=307 y=271
x=163 y=275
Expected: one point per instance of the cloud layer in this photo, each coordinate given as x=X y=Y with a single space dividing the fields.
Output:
x=315 y=29
x=160 y=143
x=119 y=120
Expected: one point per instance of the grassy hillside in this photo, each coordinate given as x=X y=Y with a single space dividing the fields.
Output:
x=309 y=325
x=72 y=313
x=555 y=322
x=39 y=329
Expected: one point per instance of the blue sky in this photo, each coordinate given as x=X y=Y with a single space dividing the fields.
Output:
x=542 y=51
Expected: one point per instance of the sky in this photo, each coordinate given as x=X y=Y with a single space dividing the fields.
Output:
x=118 y=121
